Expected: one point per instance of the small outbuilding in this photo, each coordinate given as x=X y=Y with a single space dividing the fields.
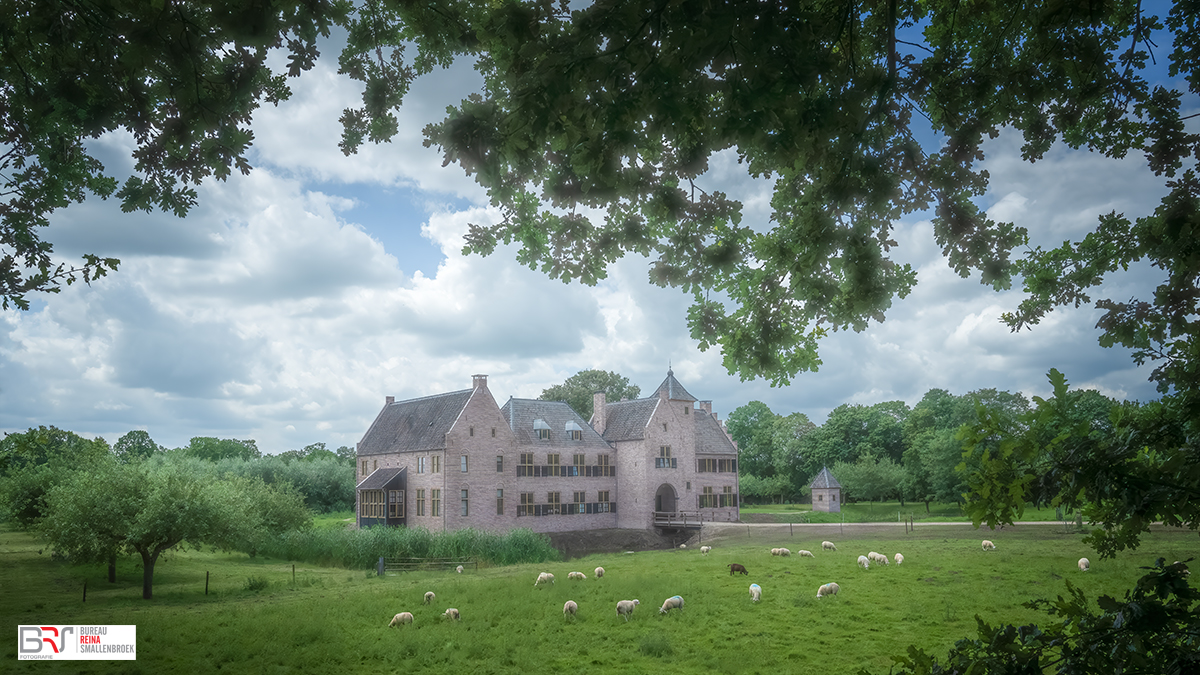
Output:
x=826 y=492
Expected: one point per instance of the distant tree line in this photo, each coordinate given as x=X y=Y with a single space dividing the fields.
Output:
x=94 y=503
x=879 y=452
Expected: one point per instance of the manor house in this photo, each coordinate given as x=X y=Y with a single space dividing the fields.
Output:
x=455 y=460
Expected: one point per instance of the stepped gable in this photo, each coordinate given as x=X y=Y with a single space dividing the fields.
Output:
x=824 y=480
x=414 y=425
x=673 y=390
x=521 y=414
x=627 y=420
x=710 y=437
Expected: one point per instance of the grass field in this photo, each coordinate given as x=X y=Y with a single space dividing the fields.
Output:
x=874 y=512
x=335 y=620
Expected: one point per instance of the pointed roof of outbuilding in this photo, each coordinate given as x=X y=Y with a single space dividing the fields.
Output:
x=824 y=480
x=673 y=390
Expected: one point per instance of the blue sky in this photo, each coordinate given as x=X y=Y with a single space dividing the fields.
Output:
x=290 y=302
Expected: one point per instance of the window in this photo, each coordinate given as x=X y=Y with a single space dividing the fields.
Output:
x=526 y=507
x=820 y=498
x=463 y=500
x=727 y=496
x=604 y=505
x=471 y=432
x=552 y=465
x=421 y=502
x=435 y=503
x=395 y=503
x=727 y=465
x=436 y=463
x=375 y=464
x=664 y=426
x=371 y=503
x=578 y=506
x=493 y=432
x=577 y=466
x=708 y=500
x=525 y=468
x=706 y=466
x=541 y=429
x=420 y=465
x=364 y=468
x=499 y=463
x=833 y=497
x=543 y=434
x=576 y=434
x=462 y=464
x=687 y=410
x=664 y=459
x=604 y=468
x=499 y=502
x=553 y=504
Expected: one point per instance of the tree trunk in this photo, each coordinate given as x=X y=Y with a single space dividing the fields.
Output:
x=926 y=507
x=112 y=568
x=148 y=560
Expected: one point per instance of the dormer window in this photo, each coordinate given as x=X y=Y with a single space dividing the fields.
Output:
x=574 y=431
x=541 y=429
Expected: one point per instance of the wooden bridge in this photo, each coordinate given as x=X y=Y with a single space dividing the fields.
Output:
x=690 y=520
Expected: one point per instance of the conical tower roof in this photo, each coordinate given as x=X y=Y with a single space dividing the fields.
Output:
x=824 y=480
x=673 y=390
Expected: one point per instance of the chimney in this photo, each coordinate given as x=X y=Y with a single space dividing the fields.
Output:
x=599 y=416
x=390 y=400
x=706 y=406
x=479 y=381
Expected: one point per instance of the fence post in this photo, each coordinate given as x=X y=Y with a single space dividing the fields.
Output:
x=206 y=583
x=379 y=568
x=85 y=590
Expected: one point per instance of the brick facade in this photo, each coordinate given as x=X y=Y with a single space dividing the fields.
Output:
x=542 y=451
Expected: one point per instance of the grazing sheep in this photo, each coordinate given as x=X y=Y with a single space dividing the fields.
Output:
x=570 y=608
x=683 y=546
x=828 y=546
x=576 y=575
x=705 y=549
x=774 y=551
x=864 y=562
x=1084 y=564
x=544 y=577
x=599 y=572
x=673 y=602
x=452 y=614
x=458 y=569
x=429 y=597
x=899 y=558
x=755 y=592
x=784 y=552
x=988 y=545
x=625 y=608
x=828 y=589
x=734 y=567
x=402 y=617
x=878 y=558
x=805 y=554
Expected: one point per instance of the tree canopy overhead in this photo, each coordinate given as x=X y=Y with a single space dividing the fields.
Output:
x=593 y=126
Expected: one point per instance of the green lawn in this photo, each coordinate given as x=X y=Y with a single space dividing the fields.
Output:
x=878 y=512
x=335 y=620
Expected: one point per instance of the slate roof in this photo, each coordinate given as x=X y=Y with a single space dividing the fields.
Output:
x=825 y=480
x=414 y=425
x=522 y=412
x=380 y=478
x=710 y=437
x=627 y=420
x=674 y=390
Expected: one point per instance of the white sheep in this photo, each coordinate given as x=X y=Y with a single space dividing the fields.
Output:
x=988 y=545
x=570 y=608
x=828 y=546
x=755 y=592
x=673 y=602
x=1084 y=564
x=878 y=558
x=784 y=552
x=599 y=572
x=705 y=549
x=429 y=597
x=775 y=551
x=576 y=575
x=683 y=546
x=452 y=614
x=625 y=607
x=899 y=558
x=864 y=562
x=402 y=617
x=828 y=589
x=544 y=577
x=805 y=554
x=458 y=569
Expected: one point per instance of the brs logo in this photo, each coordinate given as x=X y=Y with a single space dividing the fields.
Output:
x=35 y=638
